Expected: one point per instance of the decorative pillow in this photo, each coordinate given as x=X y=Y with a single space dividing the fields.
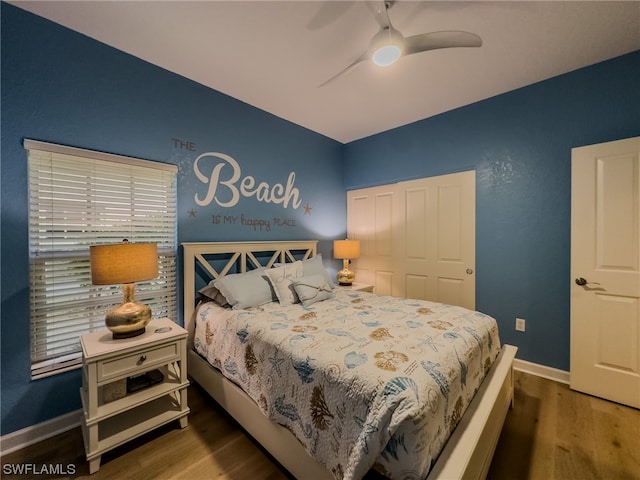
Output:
x=314 y=266
x=281 y=278
x=245 y=290
x=313 y=288
x=211 y=294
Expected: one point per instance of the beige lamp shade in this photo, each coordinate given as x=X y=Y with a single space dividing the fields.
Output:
x=346 y=249
x=123 y=263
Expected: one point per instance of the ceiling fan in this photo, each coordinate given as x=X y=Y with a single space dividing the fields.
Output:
x=388 y=45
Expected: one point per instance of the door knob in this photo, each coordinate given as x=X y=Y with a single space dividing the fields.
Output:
x=582 y=282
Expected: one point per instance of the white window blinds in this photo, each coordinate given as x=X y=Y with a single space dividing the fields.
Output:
x=79 y=198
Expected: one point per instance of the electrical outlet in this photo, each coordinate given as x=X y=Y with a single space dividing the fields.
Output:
x=520 y=324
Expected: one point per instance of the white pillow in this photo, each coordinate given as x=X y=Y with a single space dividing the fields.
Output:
x=313 y=266
x=281 y=281
x=244 y=290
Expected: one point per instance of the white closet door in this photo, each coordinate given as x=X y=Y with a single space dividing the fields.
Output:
x=418 y=238
x=371 y=214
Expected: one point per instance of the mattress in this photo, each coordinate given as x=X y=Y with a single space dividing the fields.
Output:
x=362 y=380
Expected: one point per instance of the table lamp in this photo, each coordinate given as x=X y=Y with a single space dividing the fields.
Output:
x=346 y=250
x=125 y=263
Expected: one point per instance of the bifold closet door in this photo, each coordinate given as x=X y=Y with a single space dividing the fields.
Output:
x=418 y=238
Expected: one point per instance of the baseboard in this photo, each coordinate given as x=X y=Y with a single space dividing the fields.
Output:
x=549 y=373
x=36 y=433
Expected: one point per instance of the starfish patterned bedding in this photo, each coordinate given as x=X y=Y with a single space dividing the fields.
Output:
x=362 y=380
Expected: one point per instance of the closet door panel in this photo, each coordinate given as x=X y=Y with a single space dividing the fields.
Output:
x=451 y=291
x=455 y=230
x=371 y=218
x=360 y=227
x=419 y=286
x=417 y=239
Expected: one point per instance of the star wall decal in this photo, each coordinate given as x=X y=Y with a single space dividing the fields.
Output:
x=192 y=213
x=307 y=209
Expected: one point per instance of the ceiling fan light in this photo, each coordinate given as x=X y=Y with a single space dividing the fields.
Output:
x=386 y=55
x=386 y=46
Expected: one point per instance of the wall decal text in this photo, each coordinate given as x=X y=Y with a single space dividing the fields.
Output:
x=231 y=180
x=183 y=144
x=256 y=223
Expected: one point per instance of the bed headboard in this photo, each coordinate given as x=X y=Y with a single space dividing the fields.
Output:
x=211 y=260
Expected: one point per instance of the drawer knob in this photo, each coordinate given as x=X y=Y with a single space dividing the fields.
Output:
x=142 y=359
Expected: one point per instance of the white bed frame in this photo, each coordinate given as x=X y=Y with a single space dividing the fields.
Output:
x=466 y=455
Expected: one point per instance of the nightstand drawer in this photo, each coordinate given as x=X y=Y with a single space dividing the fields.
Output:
x=137 y=362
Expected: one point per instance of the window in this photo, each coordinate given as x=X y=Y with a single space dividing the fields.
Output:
x=79 y=198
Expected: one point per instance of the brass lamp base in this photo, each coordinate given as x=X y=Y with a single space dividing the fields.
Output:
x=130 y=318
x=346 y=277
x=135 y=333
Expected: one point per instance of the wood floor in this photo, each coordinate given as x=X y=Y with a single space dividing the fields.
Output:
x=552 y=433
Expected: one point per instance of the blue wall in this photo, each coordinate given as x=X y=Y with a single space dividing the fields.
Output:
x=520 y=145
x=62 y=87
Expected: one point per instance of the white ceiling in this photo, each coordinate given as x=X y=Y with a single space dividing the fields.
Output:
x=274 y=54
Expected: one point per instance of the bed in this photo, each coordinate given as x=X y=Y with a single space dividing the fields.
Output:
x=339 y=437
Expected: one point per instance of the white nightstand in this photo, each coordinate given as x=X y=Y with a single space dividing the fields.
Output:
x=111 y=415
x=359 y=287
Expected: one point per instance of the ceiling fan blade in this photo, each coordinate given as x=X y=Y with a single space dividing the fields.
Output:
x=365 y=56
x=436 y=40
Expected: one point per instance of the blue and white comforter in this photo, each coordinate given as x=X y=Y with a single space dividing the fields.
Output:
x=361 y=380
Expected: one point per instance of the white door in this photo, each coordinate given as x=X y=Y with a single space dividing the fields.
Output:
x=371 y=216
x=438 y=259
x=417 y=238
x=605 y=271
